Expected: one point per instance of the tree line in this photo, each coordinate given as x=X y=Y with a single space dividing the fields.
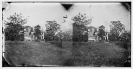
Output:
x=15 y=30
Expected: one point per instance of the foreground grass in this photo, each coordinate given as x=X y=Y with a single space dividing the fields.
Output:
x=97 y=54
x=79 y=54
x=32 y=53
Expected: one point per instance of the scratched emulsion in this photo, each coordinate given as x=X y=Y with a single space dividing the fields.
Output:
x=91 y=54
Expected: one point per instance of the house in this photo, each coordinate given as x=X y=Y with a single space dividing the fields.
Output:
x=106 y=35
x=42 y=34
x=29 y=34
x=92 y=34
x=27 y=30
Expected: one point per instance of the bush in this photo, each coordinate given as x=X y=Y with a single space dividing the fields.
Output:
x=122 y=44
x=124 y=40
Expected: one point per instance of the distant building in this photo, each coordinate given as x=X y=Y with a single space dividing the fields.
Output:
x=92 y=33
x=29 y=34
x=42 y=34
x=27 y=30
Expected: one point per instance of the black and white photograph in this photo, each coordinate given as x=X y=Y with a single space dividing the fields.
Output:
x=66 y=34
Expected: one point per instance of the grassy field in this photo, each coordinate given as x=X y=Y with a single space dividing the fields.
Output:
x=98 y=54
x=83 y=54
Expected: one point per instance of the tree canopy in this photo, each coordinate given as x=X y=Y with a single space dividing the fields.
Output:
x=37 y=32
x=14 y=25
x=51 y=28
x=16 y=19
x=101 y=33
x=81 y=19
x=116 y=29
x=79 y=26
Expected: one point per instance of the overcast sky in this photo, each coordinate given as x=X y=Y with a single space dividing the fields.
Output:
x=39 y=13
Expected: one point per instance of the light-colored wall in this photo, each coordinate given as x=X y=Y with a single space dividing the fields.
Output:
x=90 y=32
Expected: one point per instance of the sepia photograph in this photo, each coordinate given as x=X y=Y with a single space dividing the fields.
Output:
x=66 y=34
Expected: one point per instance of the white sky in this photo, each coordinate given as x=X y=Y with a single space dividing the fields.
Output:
x=39 y=13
